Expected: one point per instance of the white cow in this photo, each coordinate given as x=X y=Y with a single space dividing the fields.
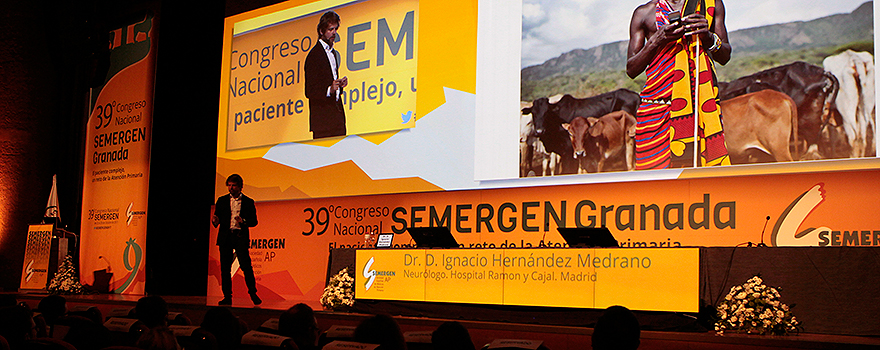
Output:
x=855 y=100
x=527 y=145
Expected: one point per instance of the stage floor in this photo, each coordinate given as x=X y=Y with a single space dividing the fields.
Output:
x=556 y=337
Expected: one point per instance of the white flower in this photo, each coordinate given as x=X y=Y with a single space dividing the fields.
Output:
x=339 y=290
x=754 y=308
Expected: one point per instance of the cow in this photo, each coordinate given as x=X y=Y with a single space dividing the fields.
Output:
x=599 y=105
x=758 y=127
x=533 y=156
x=548 y=119
x=855 y=101
x=578 y=129
x=527 y=139
x=811 y=87
x=604 y=144
x=548 y=127
x=833 y=142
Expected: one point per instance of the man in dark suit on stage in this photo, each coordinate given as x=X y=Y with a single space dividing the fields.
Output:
x=235 y=213
x=323 y=85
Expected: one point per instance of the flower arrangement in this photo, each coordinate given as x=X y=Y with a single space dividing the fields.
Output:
x=339 y=292
x=755 y=308
x=66 y=280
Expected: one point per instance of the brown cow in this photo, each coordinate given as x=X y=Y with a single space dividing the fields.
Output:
x=603 y=143
x=578 y=129
x=758 y=127
x=812 y=88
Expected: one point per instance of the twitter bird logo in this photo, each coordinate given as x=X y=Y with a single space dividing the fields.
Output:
x=406 y=117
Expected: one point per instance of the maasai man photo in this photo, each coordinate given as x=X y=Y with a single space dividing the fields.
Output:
x=673 y=47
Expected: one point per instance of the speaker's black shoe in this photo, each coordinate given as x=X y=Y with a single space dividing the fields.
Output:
x=225 y=301
x=256 y=299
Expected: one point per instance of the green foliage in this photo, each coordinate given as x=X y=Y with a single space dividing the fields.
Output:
x=747 y=65
x=580 y=85
x=856 y=46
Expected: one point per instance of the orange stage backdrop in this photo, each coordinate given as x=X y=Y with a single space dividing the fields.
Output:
x=290 y=246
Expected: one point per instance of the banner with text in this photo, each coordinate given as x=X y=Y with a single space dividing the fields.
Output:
x=663 y=279
x=117 y=162
x=813 y=209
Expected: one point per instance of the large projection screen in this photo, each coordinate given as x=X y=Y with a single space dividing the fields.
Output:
x=436 y=116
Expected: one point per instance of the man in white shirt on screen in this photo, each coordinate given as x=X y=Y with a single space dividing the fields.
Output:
x=323 y=84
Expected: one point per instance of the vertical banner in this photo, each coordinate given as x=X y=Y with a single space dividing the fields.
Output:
x=117 y=160
x=35 y=270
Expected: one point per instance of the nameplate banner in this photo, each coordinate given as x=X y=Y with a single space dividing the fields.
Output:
x=264 y=339
x=349 y=345
x=115 y=324
x=658 y=279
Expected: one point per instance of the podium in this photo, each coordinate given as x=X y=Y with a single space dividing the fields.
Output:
x=45 y=250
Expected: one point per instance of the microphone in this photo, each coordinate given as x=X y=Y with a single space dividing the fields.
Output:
x=762 y=232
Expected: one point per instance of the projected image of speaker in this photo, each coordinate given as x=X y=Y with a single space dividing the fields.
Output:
x=432 y=237
x=588 y=237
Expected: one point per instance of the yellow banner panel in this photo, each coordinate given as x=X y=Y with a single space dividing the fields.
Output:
x=648 y=279
x=661 y=279
x=464 y=276
x=548 y=277
x=390 y=275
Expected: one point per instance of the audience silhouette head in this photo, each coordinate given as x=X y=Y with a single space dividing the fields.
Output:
x=617 y=328
x=52 y=307
x=300 y=324
x=452 y=335
x=380 y=329
x=220 y=322
x=158 y=338
x=152 y=311
x=17 y=325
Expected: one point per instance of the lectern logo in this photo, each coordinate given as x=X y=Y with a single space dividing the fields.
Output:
x=369 y=274
x=29 y=271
